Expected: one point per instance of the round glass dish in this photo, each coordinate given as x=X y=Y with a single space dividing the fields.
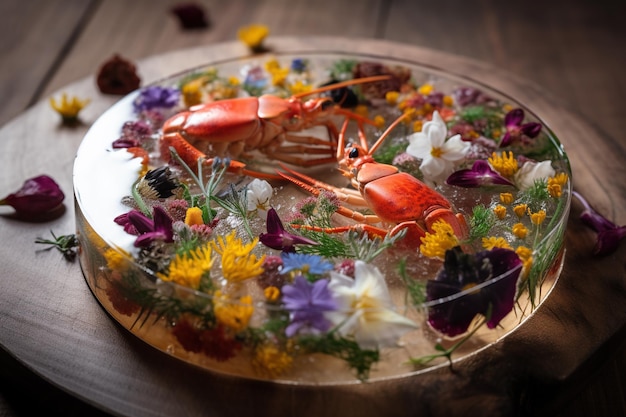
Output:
x=434 y=231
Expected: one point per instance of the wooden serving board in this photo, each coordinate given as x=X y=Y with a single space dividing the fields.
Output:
x=50 y=321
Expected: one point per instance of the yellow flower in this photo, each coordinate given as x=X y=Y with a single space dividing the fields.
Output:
x=519 y=230
x=525 y=254
x=117 y=259
x=495 y=242
x=538 y=217
x=299 y=87
x=253 y=35
x=270 y=361
x=188 y=269
x=435 y=245
x=379 y=121
x=448 y=101
x=361 y=110
x=554 y=190
x=506 y=198
x=425 y=89
x=392 y=97
x=271 y=293
x=556 y=183
x=232 y=80
x=238 y=263
x=191 y=93
x=68 y=108
x=505 y=164
x=417 y=126
x=560 y=179
x=500 y=211
x=520 y=210
x=233 y=313
x=193 y=216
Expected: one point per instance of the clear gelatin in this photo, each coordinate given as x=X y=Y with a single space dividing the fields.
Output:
x=368 y=231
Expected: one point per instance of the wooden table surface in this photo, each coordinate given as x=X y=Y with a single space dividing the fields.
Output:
x=564 y=58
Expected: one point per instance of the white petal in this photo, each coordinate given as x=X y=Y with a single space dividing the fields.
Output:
x=455 y=149
x=382 y=328
x=419 y=147
x=531 y=172
x=433 y=167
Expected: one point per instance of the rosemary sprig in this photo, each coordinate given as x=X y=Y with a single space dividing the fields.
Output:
x=66 y=244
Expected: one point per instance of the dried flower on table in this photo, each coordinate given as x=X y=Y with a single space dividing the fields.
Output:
x=253 y=36
x=609 y=234
x=191 y=16
x=68 y=108
x=118 y=76
x=38 y=197
x=66 y=244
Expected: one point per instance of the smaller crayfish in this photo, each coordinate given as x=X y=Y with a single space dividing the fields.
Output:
x=396 y=198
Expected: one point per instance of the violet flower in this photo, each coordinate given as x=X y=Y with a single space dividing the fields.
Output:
x=515 y=129
x=278 y=238
x=480 y=174
x=462 y=272
x=156 y=97
x=37 y=196
x=609 y=234
x=307 y=303
x=151 y=230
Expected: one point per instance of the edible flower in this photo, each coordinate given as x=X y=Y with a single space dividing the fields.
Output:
x=531 y=171
x=188 y=269
x=234 y=314
x=278 y=238
x=190 y=16
x=483 y=283
x=156 y=97
x=304 y=263
x=436 y=243
x=68 y=108
x=516 y=130
x=609 y=234
x=117 y=76
x=479 y=175
x=238 y=261
x=149 y=230
x=307 y=303
x=38 y=196
x=438 y=155
x=365 y=309
x=259 y=192
x=253 y=36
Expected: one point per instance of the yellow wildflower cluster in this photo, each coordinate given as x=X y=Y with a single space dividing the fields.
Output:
x=270 y=361
x=192 y=93
x=504 y=163
x=238 y=261
x=234 y=314
x=117 y=259
x=519 y=230
x=279 y=74
x=253 y=35
x=188 y=269
x=435 y=245
x=556 y=183
x=495 y=242
x=68 y=108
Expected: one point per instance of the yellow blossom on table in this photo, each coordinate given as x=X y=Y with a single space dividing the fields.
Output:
x=392 y=97
x=538 y=217
x=193 y=216
x=270 y=361
x=271 y=293
x=520 y=210
x=68 y=108
x=188 y=269
x=495 y=242
x=234 y=314
x=500 y=211
x=504 y=163
x=299 y=87
x=519 y=230
x=418 y=125
x=435 y=244
x=506 y=198
x=253 y=35
x=425 y=89
x=379 y=121
x=238 y=261
x=117 y=259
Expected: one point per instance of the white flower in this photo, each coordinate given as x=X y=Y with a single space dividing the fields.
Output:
x=438 y=155
x=259 y=193
x=530 y=172
x=365 y=309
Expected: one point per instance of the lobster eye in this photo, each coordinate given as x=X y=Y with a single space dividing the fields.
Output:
x=354 y=153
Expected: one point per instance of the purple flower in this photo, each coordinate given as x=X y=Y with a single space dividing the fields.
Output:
x=37 y=196
x=278 y=238
x=307 y=302
x=609 y=234
x=516 y=130
x=480 y=174
x=149 y=230
x=466 y=96
x=472 y=275
x=155 y=97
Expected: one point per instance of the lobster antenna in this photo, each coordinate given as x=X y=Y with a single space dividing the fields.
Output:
x=342 y=84
x=386 y=133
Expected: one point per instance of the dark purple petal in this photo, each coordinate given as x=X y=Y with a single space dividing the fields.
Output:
x=142 y=223
x=124 y=221
x=190 y=16
x=163 y=224
x=472 y=274
x=278 y=238
x=608 y=240
x=507 y=139
x=38 y=195
x=123 y=143
x=531 y=129
x=592 y=218
x=514 y=118
x=479 y=175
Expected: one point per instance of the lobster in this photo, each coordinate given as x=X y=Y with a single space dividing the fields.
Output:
x=234 y=127
x=396 y=198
